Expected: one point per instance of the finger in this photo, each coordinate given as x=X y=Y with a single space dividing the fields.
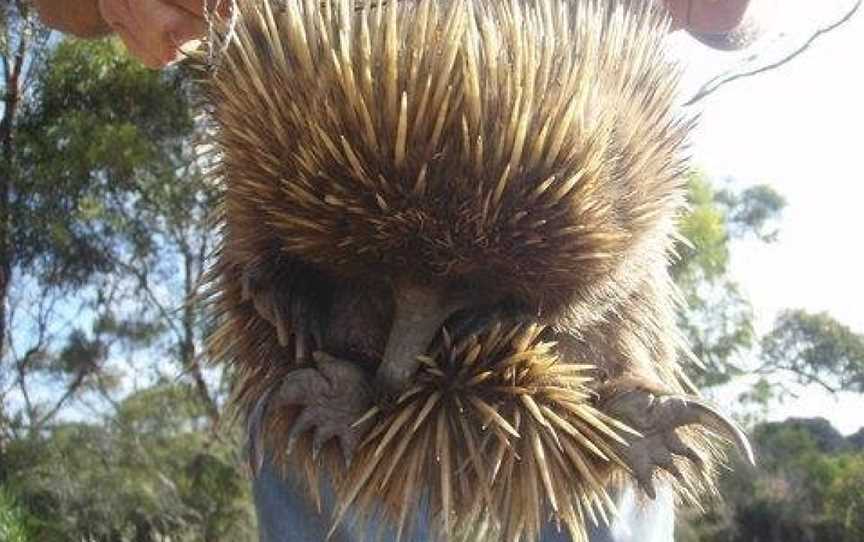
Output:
x=163 y=28
x=708 y=15
x=136 y=48
x=119 y=17
x=197 y=7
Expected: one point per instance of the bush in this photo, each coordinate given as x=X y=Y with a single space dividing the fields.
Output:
x=13 y=520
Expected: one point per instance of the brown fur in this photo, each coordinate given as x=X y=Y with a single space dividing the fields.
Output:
x=524 y=150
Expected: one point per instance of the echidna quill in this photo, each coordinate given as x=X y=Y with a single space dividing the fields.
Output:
x=443 y=284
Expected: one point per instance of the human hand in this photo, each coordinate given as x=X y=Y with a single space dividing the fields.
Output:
x=722 y=24
x=707 y=16
x=157 y=31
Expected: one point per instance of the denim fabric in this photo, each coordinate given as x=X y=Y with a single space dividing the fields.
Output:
x=284 y=515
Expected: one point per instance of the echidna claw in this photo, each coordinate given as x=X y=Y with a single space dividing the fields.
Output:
x=656 y=418
x=254 y=430
x=289 y=305
x=333 y=395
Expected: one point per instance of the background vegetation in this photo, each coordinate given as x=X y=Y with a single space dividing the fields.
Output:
x=109 y=419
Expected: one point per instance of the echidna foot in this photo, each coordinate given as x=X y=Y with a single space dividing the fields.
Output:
x=333 y=395
x=656 y=418
x=289 y=304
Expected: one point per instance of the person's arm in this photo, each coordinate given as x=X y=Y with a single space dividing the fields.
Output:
x=81 y=18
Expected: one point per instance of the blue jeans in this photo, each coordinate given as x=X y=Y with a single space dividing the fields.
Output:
x=284 y=515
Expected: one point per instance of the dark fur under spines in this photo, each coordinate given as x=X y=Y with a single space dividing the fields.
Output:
x=530 y=147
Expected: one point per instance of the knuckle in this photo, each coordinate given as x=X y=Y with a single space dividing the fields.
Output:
x=173 y=24
x=177 y=29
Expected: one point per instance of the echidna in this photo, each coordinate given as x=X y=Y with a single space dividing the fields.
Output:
x=446 y=226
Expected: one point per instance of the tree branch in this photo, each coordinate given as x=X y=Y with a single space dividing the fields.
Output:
x=714 y=84
x=71 y=389
x=803 y=377
x=187 y=347
x=144 y=286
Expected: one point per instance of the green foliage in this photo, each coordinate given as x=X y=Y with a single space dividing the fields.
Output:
x=80 y=355
x=704 y=226
x=809 y=486
x=717 y=318
x=13 y=520
x=815 y=348
x=753 y=212
x=109 y=236
x=151 y=471
x=844 y=499
x=97 y=129
x=108 y=220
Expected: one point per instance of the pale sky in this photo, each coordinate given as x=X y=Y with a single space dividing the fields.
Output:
x=798 y=128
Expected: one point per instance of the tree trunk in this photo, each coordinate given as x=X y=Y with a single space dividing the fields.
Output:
x=6 y=144
x=12 y=80
x=189 y=357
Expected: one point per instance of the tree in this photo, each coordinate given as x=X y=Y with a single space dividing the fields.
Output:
x=148 y=472
x=108 y=238
x=22 y=43
x=809 y=487
x=815 y=349
x=109 y=225
x=845 y=497
x=13 y=520
x=716 y=318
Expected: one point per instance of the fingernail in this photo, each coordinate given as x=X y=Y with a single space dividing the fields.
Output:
x=190 y=46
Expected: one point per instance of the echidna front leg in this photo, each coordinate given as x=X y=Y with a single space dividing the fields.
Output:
x=288 y=295
x=656 y=417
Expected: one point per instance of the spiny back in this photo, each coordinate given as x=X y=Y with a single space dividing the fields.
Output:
x=528 y=143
